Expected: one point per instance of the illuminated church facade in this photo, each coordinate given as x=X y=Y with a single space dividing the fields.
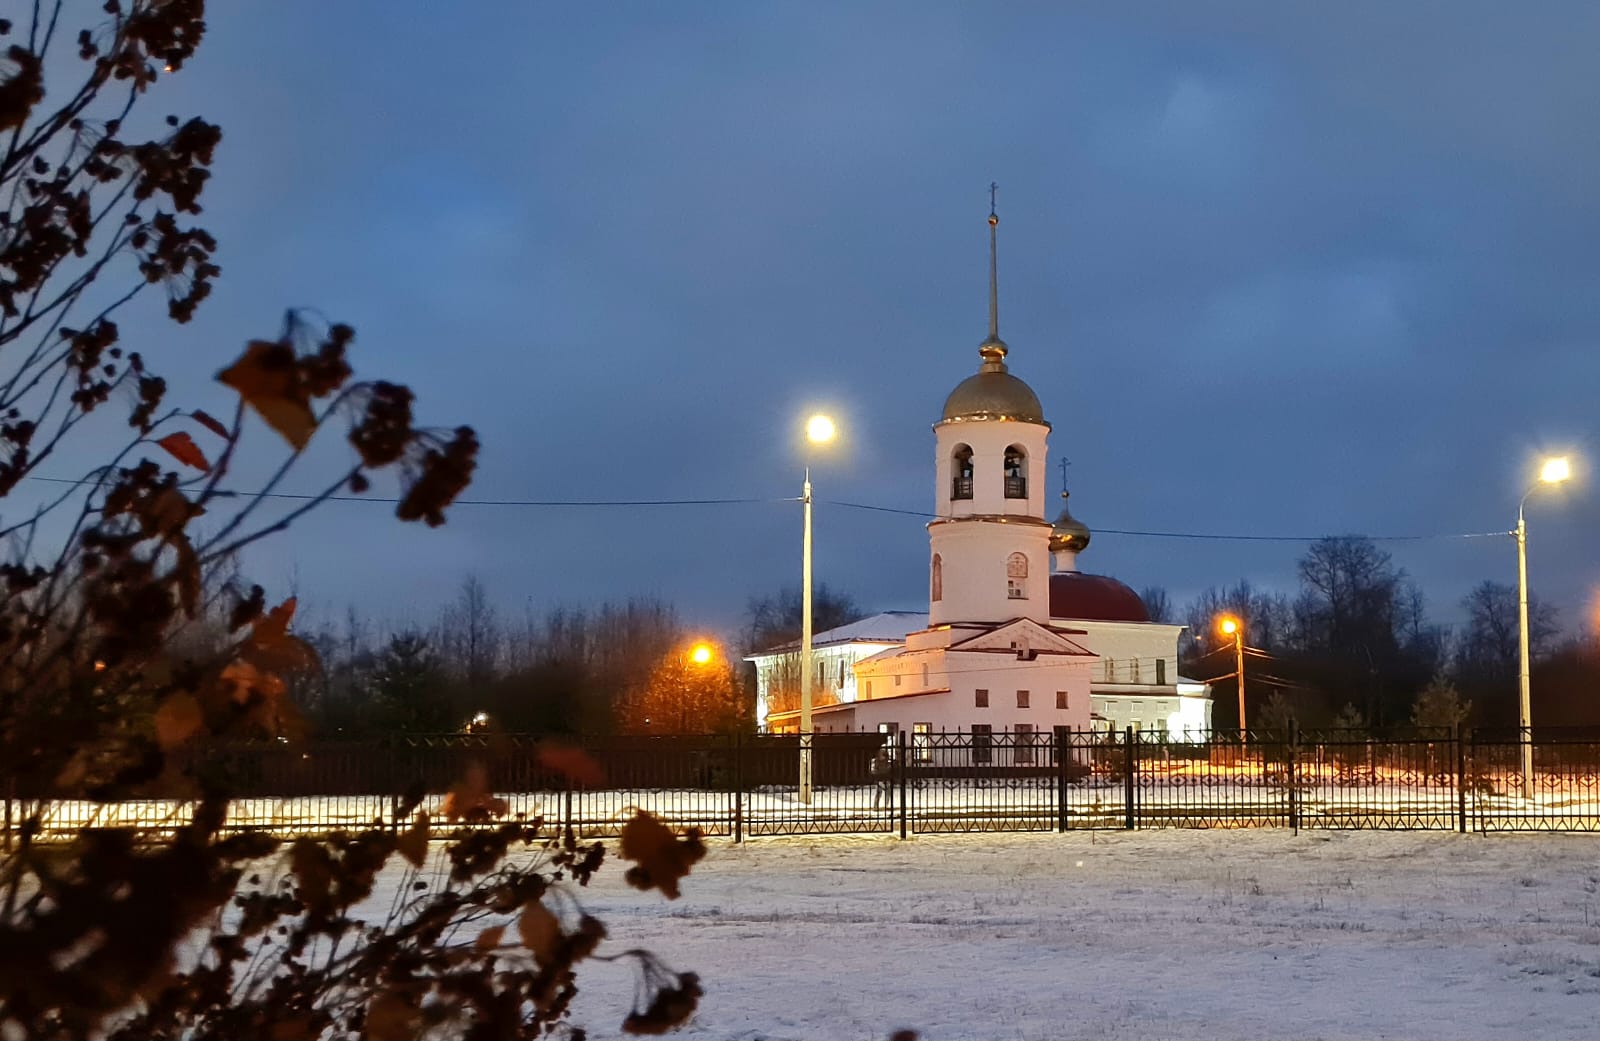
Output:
x=1016 y=638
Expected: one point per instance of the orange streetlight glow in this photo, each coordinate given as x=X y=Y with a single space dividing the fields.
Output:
x=700 y=654
x=1231 y=626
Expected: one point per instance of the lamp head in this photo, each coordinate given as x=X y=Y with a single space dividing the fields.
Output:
x=1555 y=470
x=820 y=429
x=1229 y=625
x=700 y=653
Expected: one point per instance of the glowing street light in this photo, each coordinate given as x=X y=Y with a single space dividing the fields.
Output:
x=700 y=653
x=820 y=430
x=1553 y=471
x=1231 y=626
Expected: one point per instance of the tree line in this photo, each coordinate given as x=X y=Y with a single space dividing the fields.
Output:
x=1354 y=645
x=624 y=667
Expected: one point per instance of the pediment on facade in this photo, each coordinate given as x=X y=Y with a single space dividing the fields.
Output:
x=1021 y=634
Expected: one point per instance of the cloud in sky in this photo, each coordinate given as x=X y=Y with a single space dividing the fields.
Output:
x=1270 y=270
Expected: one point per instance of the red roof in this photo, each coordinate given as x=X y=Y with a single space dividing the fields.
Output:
x=1099 y=598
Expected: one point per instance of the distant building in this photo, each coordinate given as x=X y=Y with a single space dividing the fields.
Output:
x=1006 y=645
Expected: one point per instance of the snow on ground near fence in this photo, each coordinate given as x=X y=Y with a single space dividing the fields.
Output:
x=1247 y=934
x=941 y=806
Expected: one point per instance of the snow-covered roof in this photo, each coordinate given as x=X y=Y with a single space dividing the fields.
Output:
x=883 y=627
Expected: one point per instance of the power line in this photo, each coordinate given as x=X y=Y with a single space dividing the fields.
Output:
x=641 y=503
x=1193 y=534
x=468 y=502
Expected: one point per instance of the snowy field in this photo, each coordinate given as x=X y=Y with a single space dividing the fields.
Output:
x=1180 y=934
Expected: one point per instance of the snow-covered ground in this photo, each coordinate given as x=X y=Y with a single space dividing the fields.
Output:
x=1183 y=934
x=1218 y=798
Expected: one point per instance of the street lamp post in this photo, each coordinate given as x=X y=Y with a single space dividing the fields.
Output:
x=819 y=431
x=1554 y=471
x=1234 y=628
x=699 y=655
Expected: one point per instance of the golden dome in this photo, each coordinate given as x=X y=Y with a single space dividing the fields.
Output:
x=993 y=393
x=1068 y=532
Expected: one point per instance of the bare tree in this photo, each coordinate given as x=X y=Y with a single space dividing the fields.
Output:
x=1157 y=605
x=1488 y=647
x=469 y=636
x=776 y=619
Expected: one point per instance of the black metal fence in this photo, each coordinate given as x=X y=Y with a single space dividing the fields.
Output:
x=736 y=786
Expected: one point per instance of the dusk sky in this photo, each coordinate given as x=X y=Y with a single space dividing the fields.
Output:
x=1271 y=269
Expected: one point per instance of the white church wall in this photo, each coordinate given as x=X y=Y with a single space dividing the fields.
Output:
x=1129 y=650
x=1000 y=676
x=830 y=665
x=975 y=586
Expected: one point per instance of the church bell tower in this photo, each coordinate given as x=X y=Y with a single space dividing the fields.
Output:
x=991 y=543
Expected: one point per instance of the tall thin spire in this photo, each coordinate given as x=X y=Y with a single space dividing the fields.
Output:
x=994 y=266
x=993 y=350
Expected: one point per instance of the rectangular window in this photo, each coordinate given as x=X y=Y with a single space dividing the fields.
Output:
x=1022 y=751
x=842 y=671
x=982 y=743
x=1136 y=670
x=1111 y=670
x=1061 y=699
x=1015 y=589
x=869 y=688
x=980 y=697
x=1161 y=672
x=889 y=730
x=897 y=679
x=822 y=673
x=924 y=675
x=1022 y=699
x=921 y=740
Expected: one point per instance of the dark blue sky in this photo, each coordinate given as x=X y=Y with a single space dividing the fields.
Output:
x=1272 y=269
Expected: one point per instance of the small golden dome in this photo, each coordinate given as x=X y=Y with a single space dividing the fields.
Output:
x=992 y=392
x=1068 y=532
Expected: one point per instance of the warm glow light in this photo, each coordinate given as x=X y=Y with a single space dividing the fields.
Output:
x=1229 y=626
x=819 y=430
x=480 y=719
x=1555 y=470
x=700 y=653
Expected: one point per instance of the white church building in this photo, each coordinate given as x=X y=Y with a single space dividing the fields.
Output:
x=1016 y=639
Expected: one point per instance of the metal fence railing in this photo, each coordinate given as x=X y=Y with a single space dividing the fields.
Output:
x=928 y=783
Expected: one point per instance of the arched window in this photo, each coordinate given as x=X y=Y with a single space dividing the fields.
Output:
x=1016 y=473
x=938 y=579
x=961 y=472
x=1017 y=576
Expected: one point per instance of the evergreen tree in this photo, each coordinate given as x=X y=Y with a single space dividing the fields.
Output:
x=1440 y=705
x=410 y=688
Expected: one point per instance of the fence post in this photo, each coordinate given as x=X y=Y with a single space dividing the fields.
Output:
x=738 y=787
x=901 y=761
x=1130 y=764
x=1293 y=776
x=1063 y=750
x=1459 y=739
x=566 y=809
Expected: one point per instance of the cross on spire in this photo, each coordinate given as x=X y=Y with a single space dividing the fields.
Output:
x=1065 y=462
